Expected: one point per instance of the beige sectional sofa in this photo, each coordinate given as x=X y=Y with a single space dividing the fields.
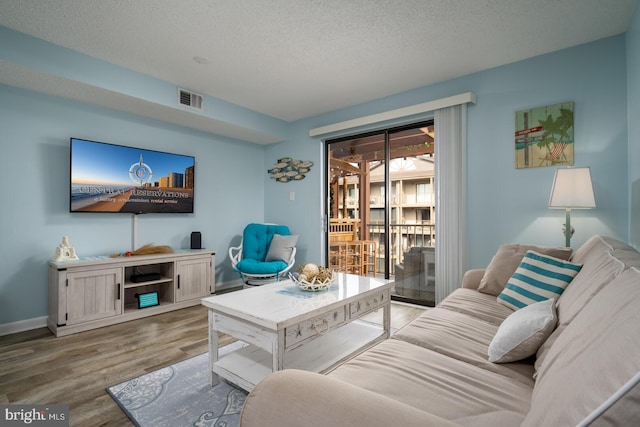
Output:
x=436 y=371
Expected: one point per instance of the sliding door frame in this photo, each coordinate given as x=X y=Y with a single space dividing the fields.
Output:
x=386 y=132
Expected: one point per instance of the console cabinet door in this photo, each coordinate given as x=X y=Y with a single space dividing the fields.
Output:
x=93 y=294
x=193 y=278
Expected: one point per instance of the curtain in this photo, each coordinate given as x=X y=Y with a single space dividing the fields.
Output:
x=450 y=176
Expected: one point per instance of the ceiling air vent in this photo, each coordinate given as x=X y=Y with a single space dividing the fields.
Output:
x=190 y=99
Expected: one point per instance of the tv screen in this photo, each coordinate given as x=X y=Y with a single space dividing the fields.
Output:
x=116 y=178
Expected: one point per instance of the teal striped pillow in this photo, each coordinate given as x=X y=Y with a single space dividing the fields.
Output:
x=537 y=278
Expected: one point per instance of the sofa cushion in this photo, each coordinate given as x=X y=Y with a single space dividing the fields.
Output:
x=596 y=275
x=498 y=418
x=622 y=251
x=599 y=269
x=594 y=244
x=295 y=398
x=522 y=333
x=537 y=278
x=598 y=245
x=462 y=337
x=592 y=360
x=281 y=247
x=432 y=382
x=476 y=304
x=506 y=261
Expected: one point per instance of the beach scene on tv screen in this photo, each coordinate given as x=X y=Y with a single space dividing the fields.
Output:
x=114 y=178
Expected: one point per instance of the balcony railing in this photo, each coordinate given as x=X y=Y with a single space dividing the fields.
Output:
x=407 y=200
x=403 y=237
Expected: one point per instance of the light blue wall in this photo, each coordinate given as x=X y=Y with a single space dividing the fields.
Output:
x=505 y=204
x=37 y=55
x=35 y=131
x=303 y=214
x=633 y=84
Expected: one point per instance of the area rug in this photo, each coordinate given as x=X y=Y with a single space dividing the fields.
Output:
x=180 y=395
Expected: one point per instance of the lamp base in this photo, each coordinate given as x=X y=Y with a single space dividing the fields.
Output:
x=567 y=229
x=564 y=230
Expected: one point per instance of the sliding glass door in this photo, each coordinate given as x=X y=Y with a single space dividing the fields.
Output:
x=381 y=208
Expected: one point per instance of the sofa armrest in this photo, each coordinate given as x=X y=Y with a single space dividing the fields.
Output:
x=472 y=278
x=293 y=398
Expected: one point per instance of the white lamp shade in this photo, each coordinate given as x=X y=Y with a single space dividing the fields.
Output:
x=572 y=188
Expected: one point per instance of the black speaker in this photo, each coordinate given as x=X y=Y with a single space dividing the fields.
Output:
x=196 y=240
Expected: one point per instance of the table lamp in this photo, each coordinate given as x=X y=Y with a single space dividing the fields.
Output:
x=572 y=189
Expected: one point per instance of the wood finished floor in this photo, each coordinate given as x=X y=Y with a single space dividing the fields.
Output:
x=38 y=368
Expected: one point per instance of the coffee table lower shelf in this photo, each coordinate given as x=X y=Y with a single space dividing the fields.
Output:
x=247 y=366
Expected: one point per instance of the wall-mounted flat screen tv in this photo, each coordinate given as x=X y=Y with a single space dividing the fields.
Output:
x=116 y=178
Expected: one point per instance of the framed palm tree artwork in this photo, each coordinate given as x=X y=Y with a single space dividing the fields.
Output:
x=544 y=136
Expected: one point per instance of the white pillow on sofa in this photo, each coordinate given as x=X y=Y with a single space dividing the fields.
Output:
x=523 y=332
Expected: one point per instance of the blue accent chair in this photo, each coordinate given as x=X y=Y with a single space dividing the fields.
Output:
x=249 y=259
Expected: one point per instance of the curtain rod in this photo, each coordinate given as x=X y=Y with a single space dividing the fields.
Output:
x=411 y=110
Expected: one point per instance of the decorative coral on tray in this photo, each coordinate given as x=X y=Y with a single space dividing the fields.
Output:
x=310 y=277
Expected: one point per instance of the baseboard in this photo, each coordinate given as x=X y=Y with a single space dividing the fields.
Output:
x=23 y=325
x=229 y=286
x=410 y=304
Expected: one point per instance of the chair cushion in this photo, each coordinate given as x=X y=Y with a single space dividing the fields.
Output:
x=281 y=247
x=252 y=266
x=256 y=240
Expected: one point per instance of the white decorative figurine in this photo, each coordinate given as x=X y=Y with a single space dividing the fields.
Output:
x=65 y=251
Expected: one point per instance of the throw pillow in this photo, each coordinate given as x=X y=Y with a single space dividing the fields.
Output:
x=537 y=278
x=507 y=259
x=281 y=247
x=523 y=332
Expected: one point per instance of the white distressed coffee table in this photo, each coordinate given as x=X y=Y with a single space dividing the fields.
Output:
x=287 y=327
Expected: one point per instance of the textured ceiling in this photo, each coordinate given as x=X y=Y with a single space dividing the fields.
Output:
x=292 y=59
